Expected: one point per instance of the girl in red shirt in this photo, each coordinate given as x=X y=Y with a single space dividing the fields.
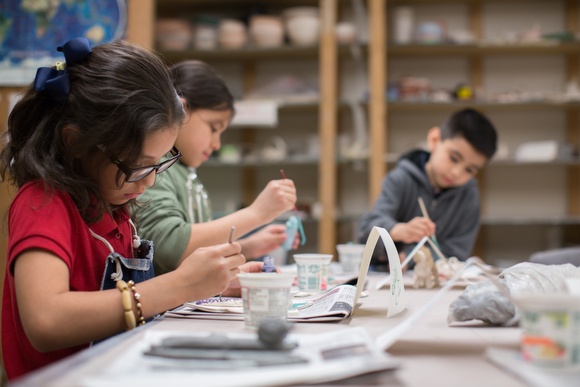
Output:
x=82 y=144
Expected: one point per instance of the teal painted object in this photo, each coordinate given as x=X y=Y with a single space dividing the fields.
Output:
x=293 y=224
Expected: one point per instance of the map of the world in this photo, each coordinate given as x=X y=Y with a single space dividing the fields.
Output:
x=30 y=31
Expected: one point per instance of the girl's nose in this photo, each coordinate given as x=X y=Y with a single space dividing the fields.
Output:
x=216 y=143
x=149 y=180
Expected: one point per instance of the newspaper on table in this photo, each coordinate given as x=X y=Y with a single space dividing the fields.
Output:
x=335 y=305
x=329 y=356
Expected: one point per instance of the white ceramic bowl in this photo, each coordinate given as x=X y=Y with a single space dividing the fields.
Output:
x=232 y=34
x=266 y=30
x=303 y=30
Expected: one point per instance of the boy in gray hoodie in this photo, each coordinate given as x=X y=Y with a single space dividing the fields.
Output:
x=444 y=178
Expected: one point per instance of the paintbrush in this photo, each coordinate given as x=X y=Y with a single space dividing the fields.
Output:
x=426 y=215
x=284 y=177
x=230 y=241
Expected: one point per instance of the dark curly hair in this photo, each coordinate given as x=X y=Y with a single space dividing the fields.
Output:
x=119 y=95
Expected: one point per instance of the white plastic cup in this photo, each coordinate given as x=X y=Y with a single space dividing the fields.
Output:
x=350 y=257
x=550 y=330
x=265 y=295
x=311 y=270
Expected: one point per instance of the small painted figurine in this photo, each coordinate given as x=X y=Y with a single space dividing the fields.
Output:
x=426 y=275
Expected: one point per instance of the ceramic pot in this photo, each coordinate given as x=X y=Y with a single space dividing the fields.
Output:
x=266 y=30
x=346 y=33
x=205 y=36
x=232 y=34
x=173 y=34
x=302 y=25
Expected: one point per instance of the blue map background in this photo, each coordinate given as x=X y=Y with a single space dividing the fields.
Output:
x=30 y=31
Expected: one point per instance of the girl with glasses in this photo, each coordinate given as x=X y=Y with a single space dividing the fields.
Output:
x=82 y=144
x=178 y=212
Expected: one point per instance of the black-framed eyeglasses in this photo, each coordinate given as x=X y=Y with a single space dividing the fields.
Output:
x=135 y=174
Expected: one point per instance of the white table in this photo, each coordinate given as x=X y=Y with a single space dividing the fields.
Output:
x=431 y=354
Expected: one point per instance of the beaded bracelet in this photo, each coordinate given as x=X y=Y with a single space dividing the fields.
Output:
x=141 y=319
x=127 y=305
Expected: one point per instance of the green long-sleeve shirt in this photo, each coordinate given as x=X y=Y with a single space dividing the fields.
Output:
x=176 y=201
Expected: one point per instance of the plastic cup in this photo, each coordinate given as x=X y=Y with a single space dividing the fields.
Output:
x=550 y=330
x=265 y=295
x=350 y=257
x=311 y=271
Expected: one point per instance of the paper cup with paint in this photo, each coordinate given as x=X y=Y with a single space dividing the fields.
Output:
x=265 y=295
x=550 y=330
x=311 y=271
x=350 y=257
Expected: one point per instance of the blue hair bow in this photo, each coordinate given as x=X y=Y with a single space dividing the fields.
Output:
x=56 y=82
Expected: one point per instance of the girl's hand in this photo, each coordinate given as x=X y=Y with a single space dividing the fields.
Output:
x=209 y=270
x=263 y=241
x=251 y=267
x=278 y=196
x=413 y=231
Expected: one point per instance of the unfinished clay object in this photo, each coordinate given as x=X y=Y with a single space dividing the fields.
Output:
x=426 y=275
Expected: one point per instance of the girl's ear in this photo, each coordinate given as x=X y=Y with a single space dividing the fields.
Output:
x=187 y=111
x=69 y=136
x=433 y=137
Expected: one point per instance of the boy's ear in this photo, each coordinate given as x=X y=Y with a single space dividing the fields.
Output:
x=433 y=137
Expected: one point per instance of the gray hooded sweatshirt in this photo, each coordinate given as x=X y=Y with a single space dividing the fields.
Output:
x=455 y=211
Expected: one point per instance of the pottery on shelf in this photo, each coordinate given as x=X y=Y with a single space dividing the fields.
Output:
x=173 y=34
x=346 y=33
x=266 y=30
x=205 y=35
x=302 y=25
x=232 y=34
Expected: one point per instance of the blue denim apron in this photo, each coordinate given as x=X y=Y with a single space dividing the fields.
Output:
x=118 y=267
x=126 y=269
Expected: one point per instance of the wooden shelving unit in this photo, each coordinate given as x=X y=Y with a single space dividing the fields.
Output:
x=484 y=106
x=326 y=52
x=379 y=133
x=490 y=49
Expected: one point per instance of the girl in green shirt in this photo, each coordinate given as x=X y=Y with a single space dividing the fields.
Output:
x=178 y=214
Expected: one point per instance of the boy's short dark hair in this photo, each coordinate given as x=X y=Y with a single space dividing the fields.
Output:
x=474 y=127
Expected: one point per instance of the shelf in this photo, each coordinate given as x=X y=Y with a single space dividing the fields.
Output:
x=288 y=161
x=392 y=158
x=244 y=3
x=450 y=106
x=400 y=2
x=514 y=163
x=482 y=49
x=259 y=163
x=249 y=53
x=531 y=221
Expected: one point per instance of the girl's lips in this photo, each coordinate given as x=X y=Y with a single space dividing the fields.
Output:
x=132 y=196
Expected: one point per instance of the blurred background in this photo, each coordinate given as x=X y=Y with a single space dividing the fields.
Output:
x=334 y=91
